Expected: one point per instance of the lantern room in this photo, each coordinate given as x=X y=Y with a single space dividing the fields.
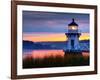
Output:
x=73 y=27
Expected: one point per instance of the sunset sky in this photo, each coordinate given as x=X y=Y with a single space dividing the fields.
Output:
x=51 y=26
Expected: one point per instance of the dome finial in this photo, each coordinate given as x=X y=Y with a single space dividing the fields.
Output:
x=73 y=19
x=73 y=23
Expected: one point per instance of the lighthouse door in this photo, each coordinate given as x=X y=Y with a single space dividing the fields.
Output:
x=72 y=44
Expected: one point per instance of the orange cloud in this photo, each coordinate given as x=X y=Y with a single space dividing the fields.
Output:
x=52 y=37
x=84 y=36
x=46 y=37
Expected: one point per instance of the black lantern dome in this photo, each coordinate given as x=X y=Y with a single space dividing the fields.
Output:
x=73 y=23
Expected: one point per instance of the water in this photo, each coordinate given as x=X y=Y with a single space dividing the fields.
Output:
x=46 y=53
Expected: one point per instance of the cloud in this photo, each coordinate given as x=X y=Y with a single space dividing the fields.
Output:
x=42 y=37
x=35 y=21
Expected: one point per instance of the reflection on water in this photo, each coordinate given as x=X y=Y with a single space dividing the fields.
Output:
x=85 y=53
x=46 y=53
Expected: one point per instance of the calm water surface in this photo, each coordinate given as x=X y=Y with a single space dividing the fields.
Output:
x=46 y=53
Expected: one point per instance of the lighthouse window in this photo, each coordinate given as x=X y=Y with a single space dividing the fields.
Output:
x=73 y=27
x=72 y=43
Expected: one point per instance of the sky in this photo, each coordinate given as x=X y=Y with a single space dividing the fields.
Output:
x=52 y=26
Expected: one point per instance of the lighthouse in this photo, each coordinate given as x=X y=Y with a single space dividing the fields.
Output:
x=73 y=37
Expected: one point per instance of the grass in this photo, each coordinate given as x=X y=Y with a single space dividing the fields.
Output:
x=58 y=61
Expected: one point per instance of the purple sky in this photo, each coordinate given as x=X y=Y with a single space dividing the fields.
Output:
x=53 y=22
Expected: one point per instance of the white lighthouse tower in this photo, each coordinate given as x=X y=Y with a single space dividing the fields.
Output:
x=73 y=37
